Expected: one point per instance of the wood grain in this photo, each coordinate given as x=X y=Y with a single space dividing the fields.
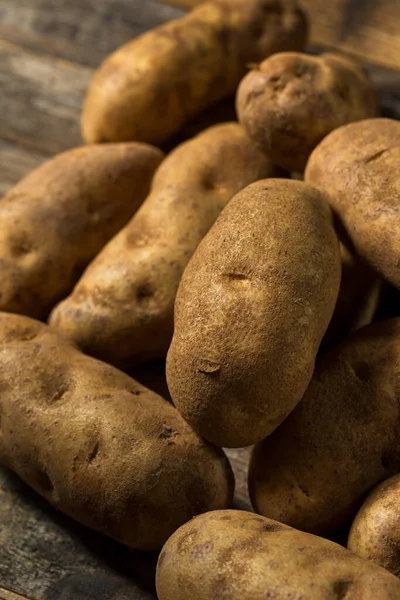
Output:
x=83 y=31
x=40 y=99
x=15 y=163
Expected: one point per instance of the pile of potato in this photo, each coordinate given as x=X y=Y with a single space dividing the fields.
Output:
x=253 y=257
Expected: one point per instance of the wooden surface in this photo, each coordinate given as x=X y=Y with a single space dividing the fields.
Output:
x=48 y=49
x=369 y=29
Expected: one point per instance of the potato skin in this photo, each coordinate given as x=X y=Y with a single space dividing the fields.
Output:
x=291 y=101
x=122 y=309
x=148 y=89
x=57 y=219
x=357 y=167
x=251 y=310
x=341 y=440
x=359 y=297
x=375 y=533
x=241 y=556
x=99 y=446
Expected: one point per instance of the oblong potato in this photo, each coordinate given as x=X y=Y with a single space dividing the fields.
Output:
x=357 y=167
x=148 y=89
x=341 y=440
x=99 y=446
x=291 y=101
x=375 y=533
x=122 y=309
x=238 y=555
x=251 y=310
x=359 y=297
x=57 y=219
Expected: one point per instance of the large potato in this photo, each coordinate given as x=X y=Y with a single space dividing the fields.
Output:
x=291 y=101
x=359 y=297
x=99 y=446
x=148 y=89
x=57 y=219
x=122 y=309
x=375 y=533
x=251 y=310
x=340 y=441
x=237 y=555
x=357 y=167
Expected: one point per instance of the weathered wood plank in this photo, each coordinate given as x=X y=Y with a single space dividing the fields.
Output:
x=368 y=29
x=84 y=31
x=40 y=99
x=15 y=163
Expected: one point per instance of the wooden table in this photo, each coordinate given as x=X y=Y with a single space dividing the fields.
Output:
x=48 y=49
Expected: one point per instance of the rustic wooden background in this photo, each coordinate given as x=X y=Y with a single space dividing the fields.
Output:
x=48 y=49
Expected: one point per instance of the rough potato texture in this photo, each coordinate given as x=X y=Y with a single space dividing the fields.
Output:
x=148 y=89
x=375 y=533
x=359 y=297
x=341 y=440
x=291 y=101
x=122 y=309
x=57 y=219
x=99 y=446
x=251 y=310
x=357 y=167
x=237 y=555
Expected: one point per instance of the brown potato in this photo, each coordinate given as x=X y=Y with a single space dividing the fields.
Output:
x=357 y=167
x=291 y=101
x=122 y=309
x=57 y=219
x=342 y=439
x=375 y=533
x=251 y=310
x=359 y=297
x=99 y=446
x=148 y=89
x=237 y=555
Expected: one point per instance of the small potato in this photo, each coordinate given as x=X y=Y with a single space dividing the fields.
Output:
x=291 y=101
x=357 y=167
x=251 y=310
x=99 y=446
x=341 y=440
x=57 y=219
x=359 y=297
x=375 y=533
x=122 y=309
x=237 y=555
x=148 y=89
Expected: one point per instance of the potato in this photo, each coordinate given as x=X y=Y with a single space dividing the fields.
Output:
x=57 y=219
x=359 y=297
x=291 y=101
x=235 y=555
x=342 y=439
x=251 y=310
x=375 y=533
x=99 y=446
x=122 y=309
x=357 y=167
x=148 y=89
